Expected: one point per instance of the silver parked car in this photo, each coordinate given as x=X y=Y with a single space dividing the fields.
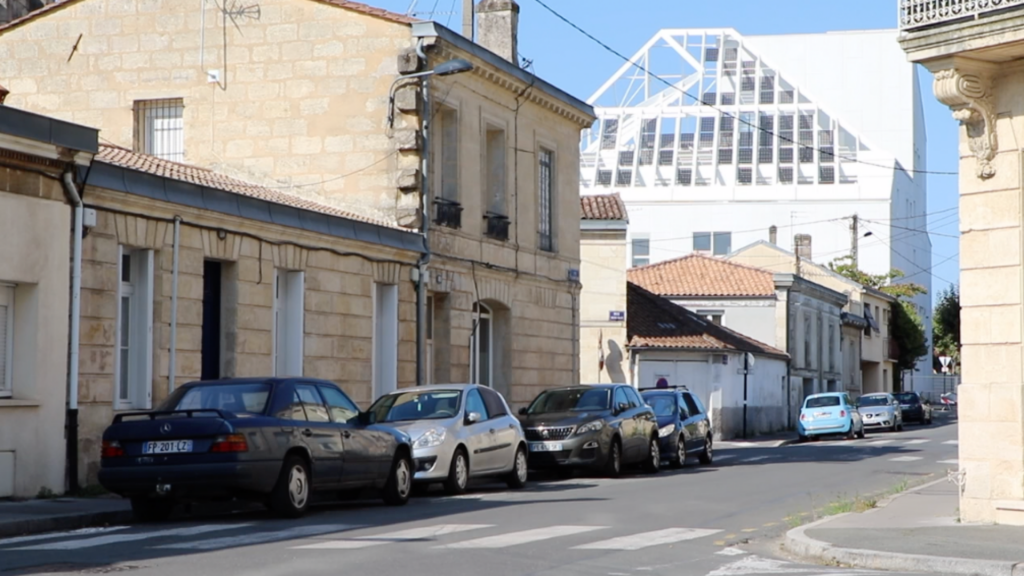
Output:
x=880 y=410
x=458 y=431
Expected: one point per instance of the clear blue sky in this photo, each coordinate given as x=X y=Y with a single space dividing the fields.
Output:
x=571 y=61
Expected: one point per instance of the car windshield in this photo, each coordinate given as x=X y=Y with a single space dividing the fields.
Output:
x=571 y=400
x=406 y=406
x=663 y=405
x=906 y=398
x=241 y=399
x=874 y=401
x=822 y=402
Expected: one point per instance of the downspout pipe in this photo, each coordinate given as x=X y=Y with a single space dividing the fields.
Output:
x=71 y=190
x=171 y=367
x=423 y=275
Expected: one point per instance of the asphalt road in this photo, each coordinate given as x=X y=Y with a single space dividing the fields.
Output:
x=719 y=520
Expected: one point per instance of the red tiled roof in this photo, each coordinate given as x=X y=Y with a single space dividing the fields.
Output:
x=354 y=6
x=203 y=177
x=603 y=207
x=654 y=322
x=704 y=276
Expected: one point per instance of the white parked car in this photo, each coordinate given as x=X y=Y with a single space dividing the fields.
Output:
x=458 y=431
x=881 y=410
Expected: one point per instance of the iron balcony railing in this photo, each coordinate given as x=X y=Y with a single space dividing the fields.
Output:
x=915 y=14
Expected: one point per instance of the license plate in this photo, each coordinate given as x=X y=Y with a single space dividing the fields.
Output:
x=822 y=415
x=546 y=447
x=167 y=447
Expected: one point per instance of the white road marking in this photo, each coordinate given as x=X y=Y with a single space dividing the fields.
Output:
x=754 y=459
x=730 y=552
x=909 y=442
x=51 y=535
x=724 y=457
x=411 y=535
x=880 y=442
x=953 y=461
x=953 y=442
x=646 y=539
x=262 y=537
x=905 y=459
x=119 y=538
x=523 y=537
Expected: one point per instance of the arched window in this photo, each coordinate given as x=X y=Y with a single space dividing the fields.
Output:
x=481 y=342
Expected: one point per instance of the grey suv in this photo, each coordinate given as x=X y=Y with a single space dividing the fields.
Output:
x=603 y=426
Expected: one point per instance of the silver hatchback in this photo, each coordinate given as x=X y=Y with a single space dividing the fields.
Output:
x=459 y=431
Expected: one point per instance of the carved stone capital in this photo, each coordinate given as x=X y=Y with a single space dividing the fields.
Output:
x=968 y=92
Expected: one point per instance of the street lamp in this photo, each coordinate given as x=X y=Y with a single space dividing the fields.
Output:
x=454 y=66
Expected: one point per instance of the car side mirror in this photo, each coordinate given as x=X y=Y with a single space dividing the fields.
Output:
x=365 y=418
x=474 y=417
x=622 y=407
x=522 y=411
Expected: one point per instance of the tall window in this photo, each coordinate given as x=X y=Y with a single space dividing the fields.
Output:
x=160 y=128
x=288 y=322
x=449 y=132
x=545 y=189
x=430 y=341
x=832 y=347
x=385 y=339
x=134 y=364
x=641 y=251
x=6 y=339
x=482 y=339
x=494 y=176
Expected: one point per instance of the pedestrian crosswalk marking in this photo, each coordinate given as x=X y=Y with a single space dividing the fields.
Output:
x=52 y=535
x=261 y=537
x=411 y=535
x=754 y=459
x=881 y=442
x=725 y=457
x=953 y=461
x=119 y=538
x=647 y=539
x=953 y=442
x=905 y=459
x=523 y=537
x=909 y=442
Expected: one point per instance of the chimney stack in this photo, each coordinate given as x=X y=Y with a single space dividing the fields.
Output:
x=803 y=246
x=773 y=234
x=468 y=15
x=497 y=28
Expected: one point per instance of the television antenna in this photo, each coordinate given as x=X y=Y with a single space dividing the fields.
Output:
x=429 y=14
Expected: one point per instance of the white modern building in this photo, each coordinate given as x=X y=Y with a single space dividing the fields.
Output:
x=716 y=140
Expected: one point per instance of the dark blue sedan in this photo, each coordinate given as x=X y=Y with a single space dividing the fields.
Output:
x=271 y=440
x=683 y=426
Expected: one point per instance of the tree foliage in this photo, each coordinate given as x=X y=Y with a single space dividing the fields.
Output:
x=946 y=330
x=905 y=325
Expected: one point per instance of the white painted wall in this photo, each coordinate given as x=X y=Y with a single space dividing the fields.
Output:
x=753 y=318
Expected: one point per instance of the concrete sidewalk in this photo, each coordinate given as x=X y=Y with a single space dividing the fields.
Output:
x=917 y=531
x=35 y=516
x=765 y=441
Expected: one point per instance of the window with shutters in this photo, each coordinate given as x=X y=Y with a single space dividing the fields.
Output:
x=133 y=366
x=6 y=339
x=449 y=132
x=545 y=189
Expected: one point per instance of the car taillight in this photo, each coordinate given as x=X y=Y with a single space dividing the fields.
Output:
x=230 y=443
x=111 y=449
x=842 y=413
x=803 y=416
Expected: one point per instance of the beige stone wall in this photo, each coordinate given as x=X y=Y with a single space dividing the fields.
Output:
x=603 y=274
x=337 y=297
x=34 y=256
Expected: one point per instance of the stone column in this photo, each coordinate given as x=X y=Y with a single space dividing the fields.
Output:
x=990 y=397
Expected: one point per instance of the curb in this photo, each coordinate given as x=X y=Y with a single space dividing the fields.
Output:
x=64 y=522
x=799 y=543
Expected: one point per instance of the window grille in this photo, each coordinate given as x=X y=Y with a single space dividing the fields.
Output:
x=160 y=129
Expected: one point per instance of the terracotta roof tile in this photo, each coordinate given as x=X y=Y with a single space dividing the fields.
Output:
x=698 y=275
x=603 y=207
x=201 y=176
x=654 y=322
x=348 y=4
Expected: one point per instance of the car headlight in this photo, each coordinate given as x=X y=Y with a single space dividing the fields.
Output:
x=666 y=430
x=431 y=438
x=590 y=427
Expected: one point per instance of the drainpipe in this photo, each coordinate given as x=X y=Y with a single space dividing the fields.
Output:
x=423 y=276
x=174 y=308
x=71 y=190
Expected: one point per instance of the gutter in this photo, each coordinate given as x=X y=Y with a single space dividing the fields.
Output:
x=171 y=367
x=71 y=190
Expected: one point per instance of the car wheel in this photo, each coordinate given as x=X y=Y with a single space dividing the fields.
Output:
x=899 y=427
x=399 y=484
x=458 y=474
x=680 y=459
x=706 y=455
x=850 y=434
x=152 y=509
x=614 y=465
x=653 y=463
x=520 y=470
x=290 y=496
x=861 y=433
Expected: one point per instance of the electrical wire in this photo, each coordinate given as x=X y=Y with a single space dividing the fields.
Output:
x=759 y=128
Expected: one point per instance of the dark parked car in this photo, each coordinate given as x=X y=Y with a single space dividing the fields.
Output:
x=914 y=408
x=682 y=425
x=601 y=426
x=266 y=439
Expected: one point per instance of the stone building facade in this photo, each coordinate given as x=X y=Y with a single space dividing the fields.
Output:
x=298 y=99
x=975 y=52
x=603 y=304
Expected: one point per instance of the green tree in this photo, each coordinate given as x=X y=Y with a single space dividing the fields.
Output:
x=946 y=332
x=905 y=327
